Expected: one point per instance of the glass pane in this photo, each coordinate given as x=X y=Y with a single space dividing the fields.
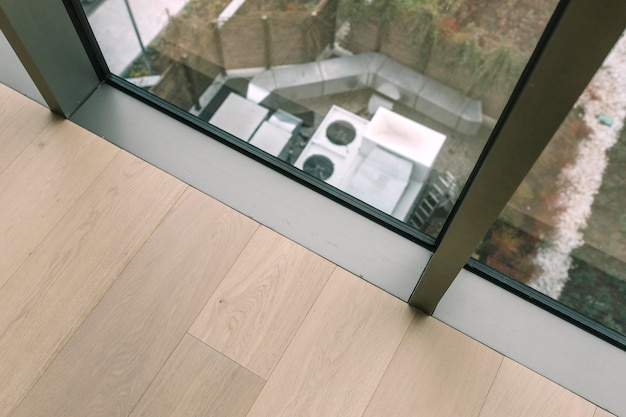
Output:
x=564 y=231
x=390 y=101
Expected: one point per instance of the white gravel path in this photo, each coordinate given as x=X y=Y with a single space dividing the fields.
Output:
x=580 y=181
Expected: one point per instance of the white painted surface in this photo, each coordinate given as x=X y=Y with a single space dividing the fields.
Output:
x=343 y=157
x=405 y=137
x=271 y=138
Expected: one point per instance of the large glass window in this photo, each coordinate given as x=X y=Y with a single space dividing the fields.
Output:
x=389 y=101
x=128 y=122
x=564 y=231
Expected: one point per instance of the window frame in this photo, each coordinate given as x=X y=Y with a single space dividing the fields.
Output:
x=77 y=85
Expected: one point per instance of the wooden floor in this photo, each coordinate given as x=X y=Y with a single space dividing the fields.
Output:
x=124 y=292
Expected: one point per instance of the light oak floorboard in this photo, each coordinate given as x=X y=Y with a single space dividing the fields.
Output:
x=21 y=120
x=518 y=391
x=108 y=364
x=338 y=356
x=198 y=381
x=84 y=209
x=53 y=291
x=263 y=300
x=38 y=188
x=602 y=413
x=437 y=372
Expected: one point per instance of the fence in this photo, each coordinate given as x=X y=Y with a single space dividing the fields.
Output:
x=253 y=38
x=416 y=40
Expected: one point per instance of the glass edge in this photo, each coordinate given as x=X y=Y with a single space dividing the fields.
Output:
x=85 y=34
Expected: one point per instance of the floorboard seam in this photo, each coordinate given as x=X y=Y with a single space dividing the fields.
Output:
x=495 y=375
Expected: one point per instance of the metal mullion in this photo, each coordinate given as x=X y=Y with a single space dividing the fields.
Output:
x=582 y=35
x=44 y=38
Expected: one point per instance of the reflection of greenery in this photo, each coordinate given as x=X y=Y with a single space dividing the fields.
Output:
x=606 y=228
x=597 y=295
x=497 y=66
x=288 y=5
x=422 y=27
x=509 y=250
x=376 y=11
x=467 y=53
x=589 y=290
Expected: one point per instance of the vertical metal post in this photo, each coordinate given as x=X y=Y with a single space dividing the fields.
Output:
x=380 y=34
x=381 y=28
x=326 y=11
x=331 y=19
x=310 y=32
x=267 y=41
x=219 y=50
x=44 y=38
x=144 y=53
x=566 y=62
x=190 y=83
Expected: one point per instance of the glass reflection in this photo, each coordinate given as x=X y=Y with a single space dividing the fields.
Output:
x=563 y=232
x=390 y=101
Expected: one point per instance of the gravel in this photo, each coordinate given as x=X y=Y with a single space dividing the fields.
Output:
x=580 y=181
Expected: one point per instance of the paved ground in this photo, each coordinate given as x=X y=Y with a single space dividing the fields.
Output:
x=112 y=26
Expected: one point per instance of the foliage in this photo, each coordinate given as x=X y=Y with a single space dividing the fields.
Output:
x=467 y=52
x=137 y=68
x=596 y=294
x=426 y=26
x=288 y=5
x=360 y=11
x=509 y=250
x=497 y=66
x=427 y=38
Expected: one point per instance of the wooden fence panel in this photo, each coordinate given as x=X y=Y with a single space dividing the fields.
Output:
x=242 y=42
